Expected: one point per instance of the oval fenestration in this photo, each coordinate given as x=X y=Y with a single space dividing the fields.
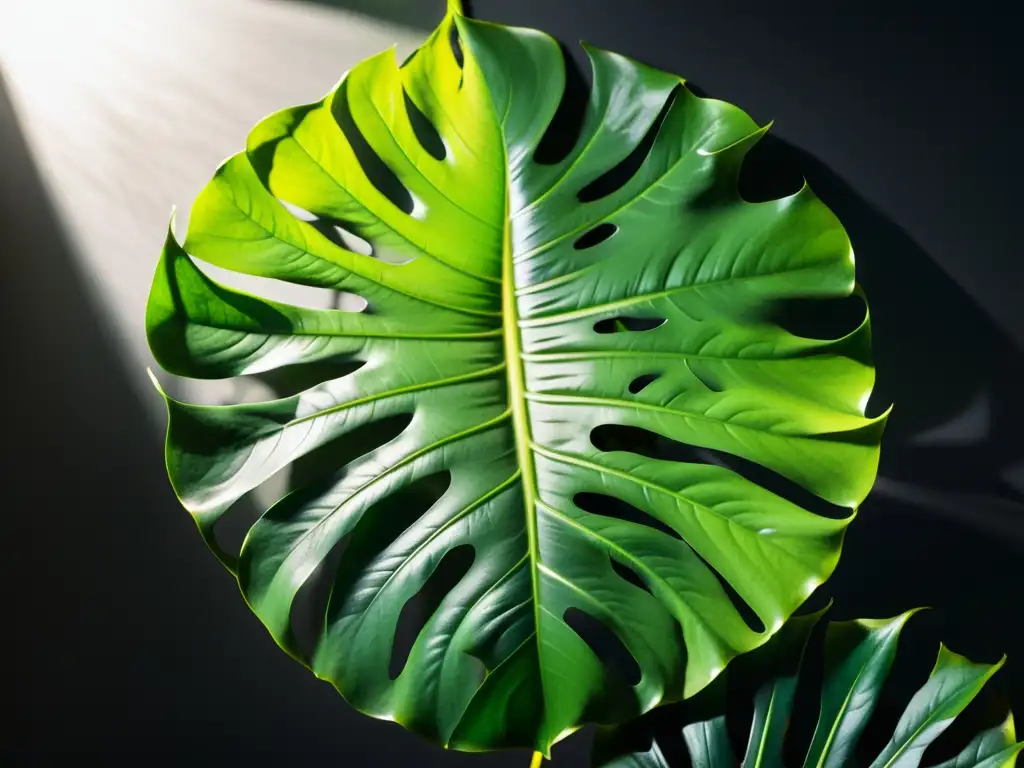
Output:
x=508 y=346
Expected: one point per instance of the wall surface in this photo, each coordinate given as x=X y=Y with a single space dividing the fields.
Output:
x=123 y=634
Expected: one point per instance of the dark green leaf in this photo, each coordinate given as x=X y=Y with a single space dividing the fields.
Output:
x=773 y=702
x=858 y=657
x=994 y=748
x=953 y=684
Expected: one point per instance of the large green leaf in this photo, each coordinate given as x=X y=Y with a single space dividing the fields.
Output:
x=858 y=658
x=509 y=330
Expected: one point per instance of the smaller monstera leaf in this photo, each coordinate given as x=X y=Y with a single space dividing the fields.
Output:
x=858 y=657
x=520 y=317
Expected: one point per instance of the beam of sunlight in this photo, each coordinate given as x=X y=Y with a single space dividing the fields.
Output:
x=129 y=107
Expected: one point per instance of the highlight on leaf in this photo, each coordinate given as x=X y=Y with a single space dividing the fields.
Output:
x=513 y=311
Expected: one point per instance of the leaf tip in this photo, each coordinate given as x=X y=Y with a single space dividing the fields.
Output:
x=892 y=625
x=1008 y=729
x=155 y=381
x=882 y=418
x=168 y=400
x=901 y=621
x=948 y=657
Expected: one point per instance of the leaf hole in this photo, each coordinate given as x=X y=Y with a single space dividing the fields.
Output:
x=376 y=170
x=772 y=481
x=424 y=130
x=705 y=377
x=346 y=238
x=306 y=474
x=234 y=390
x=617 y=177
x=308 y=618
x=333 y=456
x=233 y=526
x=610 y=506
x=640 y=383
x=419 y=609
x=595 y=236
x=409 y=58
x=383 y=523
x=824 y=319
x=338 y=232
x=628 y=324
x=605 y=644
x=455 y=41
x=619 y=437
x=288 y=380
x=628 y=574
x=299 y=213
x=563 y=132
x=749 y=616
x=351 y=302
x=286 y=292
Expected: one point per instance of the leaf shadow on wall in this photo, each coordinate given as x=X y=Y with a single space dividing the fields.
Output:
x=944 y=525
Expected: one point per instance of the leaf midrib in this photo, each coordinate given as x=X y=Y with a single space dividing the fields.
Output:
x=517 y=402
x=844 y=708
x=931 y=716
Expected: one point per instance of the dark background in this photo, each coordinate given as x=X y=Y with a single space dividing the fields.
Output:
x=122 y=636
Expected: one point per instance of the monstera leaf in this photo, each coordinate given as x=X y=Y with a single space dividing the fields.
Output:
x=858 y=657
x=525 y=316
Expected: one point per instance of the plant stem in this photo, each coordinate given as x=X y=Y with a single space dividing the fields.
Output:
x=455 y=6
x=538 y=758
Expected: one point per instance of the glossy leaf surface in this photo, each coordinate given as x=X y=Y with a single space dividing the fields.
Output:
x=858 y=658
x=514 y=310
